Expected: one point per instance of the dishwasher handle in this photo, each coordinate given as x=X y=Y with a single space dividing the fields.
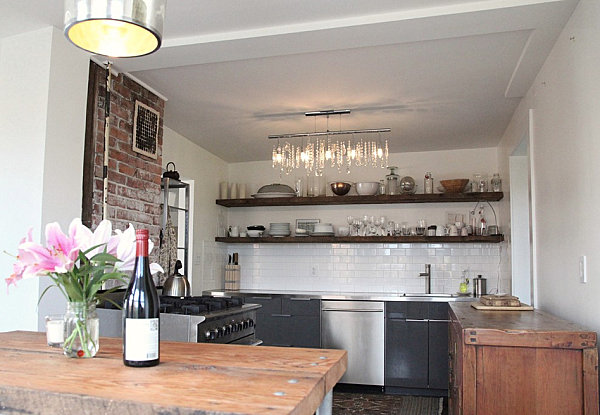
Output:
x=354 y=310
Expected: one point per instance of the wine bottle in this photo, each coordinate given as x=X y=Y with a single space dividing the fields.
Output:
x=141 y=326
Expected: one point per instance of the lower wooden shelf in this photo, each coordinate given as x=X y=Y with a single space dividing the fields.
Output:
x=362 y=239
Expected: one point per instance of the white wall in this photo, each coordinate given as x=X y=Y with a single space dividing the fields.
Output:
x=43 y=84
x=206 y=170
x=565 y=154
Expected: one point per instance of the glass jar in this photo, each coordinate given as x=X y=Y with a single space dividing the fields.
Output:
x=428 y=184
x=392 y=184
x=381 y=187
x=496 y=183
x=81 y=330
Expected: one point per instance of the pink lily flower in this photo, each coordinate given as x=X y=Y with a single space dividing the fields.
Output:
x=123 y=244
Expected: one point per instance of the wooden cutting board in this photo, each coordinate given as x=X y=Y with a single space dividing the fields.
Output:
x=522 y=307
x=500 y=300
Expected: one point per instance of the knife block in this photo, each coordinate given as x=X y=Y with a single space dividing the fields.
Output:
x=232 y=277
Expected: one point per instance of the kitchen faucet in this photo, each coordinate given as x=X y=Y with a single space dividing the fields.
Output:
x=427 y=274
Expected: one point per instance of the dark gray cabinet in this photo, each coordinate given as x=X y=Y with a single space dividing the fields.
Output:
x=288 y=321
x=416 y=347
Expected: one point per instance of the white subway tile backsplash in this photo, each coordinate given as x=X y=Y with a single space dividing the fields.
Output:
x=367 y=267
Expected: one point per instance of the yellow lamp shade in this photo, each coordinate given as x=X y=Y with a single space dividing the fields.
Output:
x=117 y=28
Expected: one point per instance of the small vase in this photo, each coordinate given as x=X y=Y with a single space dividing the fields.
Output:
x=81 y=330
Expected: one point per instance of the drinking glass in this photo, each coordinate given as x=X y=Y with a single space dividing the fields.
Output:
x=421 y=226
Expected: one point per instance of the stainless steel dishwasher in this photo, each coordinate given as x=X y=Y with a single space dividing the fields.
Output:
x=358 y=328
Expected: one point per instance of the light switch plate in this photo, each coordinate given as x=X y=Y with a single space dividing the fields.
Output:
x=582 y=269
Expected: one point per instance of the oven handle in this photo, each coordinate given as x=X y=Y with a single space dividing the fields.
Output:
x=256 y=343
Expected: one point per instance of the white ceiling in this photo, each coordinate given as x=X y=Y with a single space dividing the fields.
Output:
x=442 y=74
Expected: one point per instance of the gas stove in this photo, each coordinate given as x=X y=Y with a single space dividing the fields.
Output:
x=202 y=319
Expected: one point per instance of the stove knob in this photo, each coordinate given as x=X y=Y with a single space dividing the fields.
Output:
x=226 y=330
x=230 y=328
x=234 y=326
x=207 y=334
x=240 y=326
x=219 y=332
x=251 y=322
x=214 y=334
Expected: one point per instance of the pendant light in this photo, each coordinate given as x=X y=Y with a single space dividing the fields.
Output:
x=115 y=28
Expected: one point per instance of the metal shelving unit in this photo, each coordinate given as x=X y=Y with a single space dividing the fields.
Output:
x=176 y=195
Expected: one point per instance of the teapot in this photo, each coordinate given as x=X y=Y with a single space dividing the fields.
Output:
x=176 y=285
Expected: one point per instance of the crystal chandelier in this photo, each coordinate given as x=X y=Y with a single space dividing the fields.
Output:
x=324 y=149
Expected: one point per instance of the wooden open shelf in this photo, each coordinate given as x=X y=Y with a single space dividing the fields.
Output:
x=361 y=239
x=364 y=200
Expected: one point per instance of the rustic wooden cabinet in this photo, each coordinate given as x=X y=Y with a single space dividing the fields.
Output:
x=520 y=363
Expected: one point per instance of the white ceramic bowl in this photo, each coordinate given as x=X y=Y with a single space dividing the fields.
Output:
x=254 y=233
x=367 y=188
x=323 y=227
x=343 y=231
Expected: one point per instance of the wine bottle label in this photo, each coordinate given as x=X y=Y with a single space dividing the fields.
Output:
x=141 y=339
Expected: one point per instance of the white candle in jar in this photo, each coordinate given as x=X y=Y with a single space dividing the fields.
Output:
x=55 y=331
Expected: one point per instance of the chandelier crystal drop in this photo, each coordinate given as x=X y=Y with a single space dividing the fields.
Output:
x=324 y=149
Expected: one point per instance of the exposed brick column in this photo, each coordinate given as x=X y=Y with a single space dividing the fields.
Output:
x=133 y=179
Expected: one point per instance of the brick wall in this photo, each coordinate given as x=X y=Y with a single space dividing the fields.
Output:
x=133 y=179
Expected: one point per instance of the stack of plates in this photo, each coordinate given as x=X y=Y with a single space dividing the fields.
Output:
x=273 y=195
x=279 y=229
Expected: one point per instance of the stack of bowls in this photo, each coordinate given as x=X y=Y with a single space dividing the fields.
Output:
x=279 y=229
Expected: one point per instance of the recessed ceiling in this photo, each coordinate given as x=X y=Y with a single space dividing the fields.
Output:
x=441 y=74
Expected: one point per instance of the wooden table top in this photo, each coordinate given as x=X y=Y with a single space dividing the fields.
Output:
x=192 y=378
x=519 y=328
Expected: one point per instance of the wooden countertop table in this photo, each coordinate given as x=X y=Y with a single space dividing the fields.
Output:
x=192 y=378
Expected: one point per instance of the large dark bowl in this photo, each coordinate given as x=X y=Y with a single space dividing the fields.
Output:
x=255 y=227
x=340 y=188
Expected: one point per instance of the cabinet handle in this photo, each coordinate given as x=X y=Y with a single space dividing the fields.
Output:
x=262 y=298
x=281 y=315
x=414 y=320
x=300 y=299
x=439 y=321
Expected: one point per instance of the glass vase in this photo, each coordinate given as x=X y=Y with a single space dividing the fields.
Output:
x=81 y=330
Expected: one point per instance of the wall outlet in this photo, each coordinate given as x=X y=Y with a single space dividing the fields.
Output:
x=582 y=269
x=314 y=270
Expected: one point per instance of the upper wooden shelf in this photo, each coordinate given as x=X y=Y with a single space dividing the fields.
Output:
x=362 y=239
x=364 y=200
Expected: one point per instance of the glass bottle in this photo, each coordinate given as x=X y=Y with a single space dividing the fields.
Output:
x=381 y=187
x=392 y=182
x=141 y=313
x=496 y=183
x=428 y=188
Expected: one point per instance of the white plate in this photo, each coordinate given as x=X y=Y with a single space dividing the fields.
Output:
x=272 y=195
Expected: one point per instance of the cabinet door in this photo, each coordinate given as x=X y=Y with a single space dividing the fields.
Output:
x=270 y=305
x=301 y=306
x=267 y=329
x=406 y=353
x=438 y=345
x=438 y=355
x=304 y=331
